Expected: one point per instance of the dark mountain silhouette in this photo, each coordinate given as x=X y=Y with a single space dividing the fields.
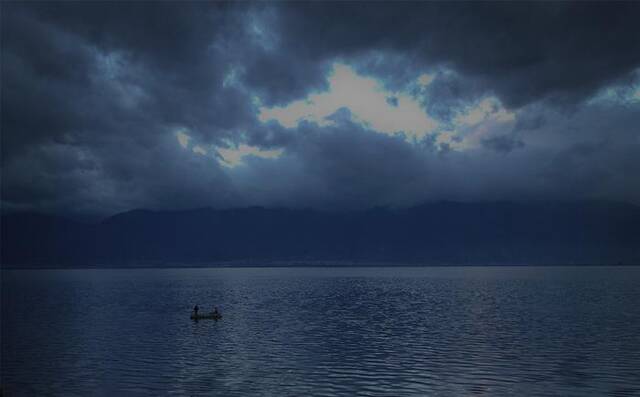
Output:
x=585 y=232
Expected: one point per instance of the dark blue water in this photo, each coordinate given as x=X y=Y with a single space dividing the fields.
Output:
x=566 y=331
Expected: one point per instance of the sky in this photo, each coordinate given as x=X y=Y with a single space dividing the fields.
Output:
x=111 y=106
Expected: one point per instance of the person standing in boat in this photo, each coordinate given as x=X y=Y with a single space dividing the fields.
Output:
x=195 y=310
x=215 y=311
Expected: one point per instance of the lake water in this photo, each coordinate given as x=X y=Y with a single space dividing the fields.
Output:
x=380 y=331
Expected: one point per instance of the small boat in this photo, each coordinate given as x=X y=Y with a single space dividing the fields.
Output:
x=208 y=316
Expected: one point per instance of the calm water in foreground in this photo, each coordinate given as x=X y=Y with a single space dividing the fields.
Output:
x=567 y=331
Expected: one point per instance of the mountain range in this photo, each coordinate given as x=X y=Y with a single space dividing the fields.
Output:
x=442 y=233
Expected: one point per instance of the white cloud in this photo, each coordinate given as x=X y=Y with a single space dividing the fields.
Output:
x=186 y=142
x=233 y=156
x=199 y=150
x=480 y=120
x=183 y=139
x=365 y=98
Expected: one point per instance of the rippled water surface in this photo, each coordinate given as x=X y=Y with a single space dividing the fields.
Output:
x=566 y=331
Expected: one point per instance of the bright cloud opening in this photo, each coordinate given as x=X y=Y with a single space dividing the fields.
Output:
x=487 y=109
x=233 y=156
x=478 y=121
x=366 y=99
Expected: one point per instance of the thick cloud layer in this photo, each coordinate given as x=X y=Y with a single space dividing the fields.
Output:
x=112 y=106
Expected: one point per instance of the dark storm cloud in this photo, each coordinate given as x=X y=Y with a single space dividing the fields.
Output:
x=448 y=92
x=341 y=166
x=503 y=143
x=271 y=135
x=113 y=177
x=524 y=52
x=94 y=93
x=529 y=122
x=59 y=59
x=346 y=165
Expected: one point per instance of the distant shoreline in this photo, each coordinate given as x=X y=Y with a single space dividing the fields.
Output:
x=301 y=265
